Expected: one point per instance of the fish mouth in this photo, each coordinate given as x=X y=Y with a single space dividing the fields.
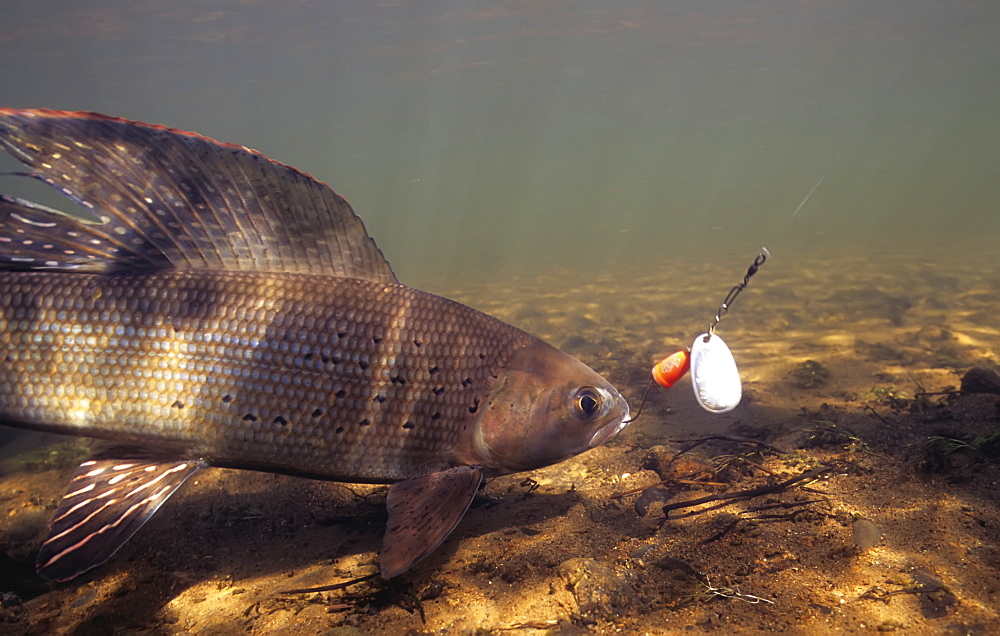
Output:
x=609 y=430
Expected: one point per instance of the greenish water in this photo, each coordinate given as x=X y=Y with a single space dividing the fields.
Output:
x=477 y=138
x=599 y=174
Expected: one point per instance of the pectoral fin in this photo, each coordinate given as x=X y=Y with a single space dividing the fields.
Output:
x=106 y=502
x=422 y=512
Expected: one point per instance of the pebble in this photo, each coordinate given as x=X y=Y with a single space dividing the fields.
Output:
x=651 y=497
x=979 y=380
x=809 y=375
x=866 y=534
x=601 y=591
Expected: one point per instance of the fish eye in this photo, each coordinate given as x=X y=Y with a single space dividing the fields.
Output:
x=587 y=403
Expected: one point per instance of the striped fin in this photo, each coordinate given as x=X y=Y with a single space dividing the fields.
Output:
x=181 y=199
x=422 y=512
x=34 y=236
x=106 y=502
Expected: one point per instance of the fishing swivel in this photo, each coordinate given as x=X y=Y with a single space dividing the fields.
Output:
x=735 y=291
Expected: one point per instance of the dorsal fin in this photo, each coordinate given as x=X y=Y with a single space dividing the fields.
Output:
x=168 y=198
x=34 y=236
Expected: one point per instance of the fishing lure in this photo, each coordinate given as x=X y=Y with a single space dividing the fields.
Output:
x=669 y=370
x=714 y=375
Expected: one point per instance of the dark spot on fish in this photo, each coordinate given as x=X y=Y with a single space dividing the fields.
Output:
x=280 y=420
x=418 y=342
x=341 y=334
x=249 y=417
x=308 y=356
x=379 y=398
x=317 y=413
x=365 y=422
x=433 y=370
x=398 y=379
x=363 y=364
x=409 y=425
x=475 y=406
x=438 y=390
x=436 y=416
x=227 y=398
x=177 y=404
x=339 y=430
x=482 y=356
x=341 y=394
x=376 y=339
x=467 y=382
x=324 y=358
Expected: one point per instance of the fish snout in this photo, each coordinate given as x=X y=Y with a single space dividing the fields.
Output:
x=619 y=420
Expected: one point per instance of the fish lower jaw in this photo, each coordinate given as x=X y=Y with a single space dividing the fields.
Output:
x=608 y=432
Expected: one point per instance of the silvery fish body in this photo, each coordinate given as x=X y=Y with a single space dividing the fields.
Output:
x=223 y=309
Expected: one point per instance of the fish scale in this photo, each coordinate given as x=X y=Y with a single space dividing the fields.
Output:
x=316 y=375
x=223 y=309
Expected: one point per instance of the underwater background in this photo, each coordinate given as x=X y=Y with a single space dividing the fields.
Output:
x=478 y=136
x=599 y=174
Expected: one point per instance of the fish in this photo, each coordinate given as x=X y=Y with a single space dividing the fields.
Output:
x=221 y=309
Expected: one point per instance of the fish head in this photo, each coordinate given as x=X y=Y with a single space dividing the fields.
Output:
x=546 y=406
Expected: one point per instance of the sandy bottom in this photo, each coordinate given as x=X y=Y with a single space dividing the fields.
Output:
x=843 y=358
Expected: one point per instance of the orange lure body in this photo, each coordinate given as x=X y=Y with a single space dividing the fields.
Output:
x=671 y=369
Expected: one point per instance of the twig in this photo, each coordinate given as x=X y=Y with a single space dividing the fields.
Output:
x=721 y=533
x=686 y=482
x=758 y=466
x=698 y=442
x=330 y=588
x=747 y=494
x=726 y=438
x=694 y=482
x=788 y=504
x=788 y=515
x=734 y=592
x=868 y=407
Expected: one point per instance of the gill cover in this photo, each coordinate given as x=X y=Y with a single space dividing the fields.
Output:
x=547 y=406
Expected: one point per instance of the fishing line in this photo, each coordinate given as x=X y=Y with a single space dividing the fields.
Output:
x=857 y=129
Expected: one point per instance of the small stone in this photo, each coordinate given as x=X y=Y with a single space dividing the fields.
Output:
x=663 y=460
x=651 y=497
x=601 y=591
x=980 y=380
x=866 y=534
x=344 y=630
x=809 y=375
x=889 y=626
x=9 y=599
